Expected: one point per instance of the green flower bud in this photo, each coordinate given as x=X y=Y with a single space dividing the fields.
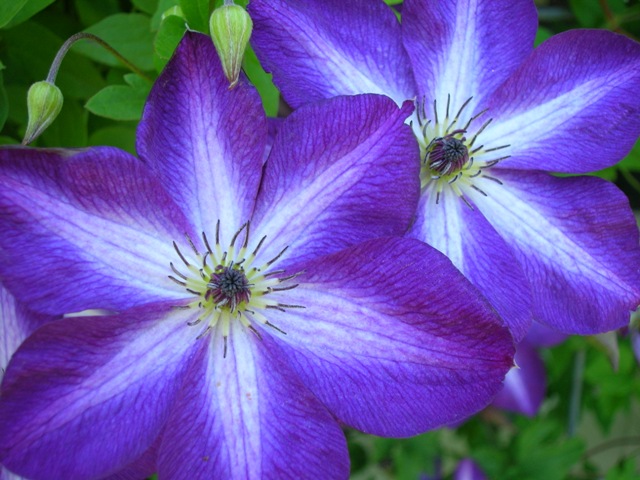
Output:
x=44 y=101
x=230 y=27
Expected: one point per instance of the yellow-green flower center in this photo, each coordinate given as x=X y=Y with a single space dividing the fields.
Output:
x=229 y=286
x=451 y=159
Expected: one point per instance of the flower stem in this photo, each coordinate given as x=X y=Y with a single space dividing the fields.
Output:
x=576 y=391
x=55 y=66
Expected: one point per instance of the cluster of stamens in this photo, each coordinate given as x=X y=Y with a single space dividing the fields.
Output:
x=228 y=286
x=450 y=159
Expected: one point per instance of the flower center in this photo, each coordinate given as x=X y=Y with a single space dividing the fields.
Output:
x=447 y=154
x=451 y=161
x=229 y=286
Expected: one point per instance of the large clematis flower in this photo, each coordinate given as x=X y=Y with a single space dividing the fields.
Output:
x=494 y=116
x=261 y=305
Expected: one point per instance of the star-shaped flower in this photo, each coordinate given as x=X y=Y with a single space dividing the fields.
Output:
x=260 y=306
x=493 y=117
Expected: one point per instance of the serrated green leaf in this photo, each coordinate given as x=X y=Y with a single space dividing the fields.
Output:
x=30 y=49
x=9 y=9
x=28 y=10
x=168 y=37
x=118 y=102
x=263 y=82
x=128 y=33
x=197 y=14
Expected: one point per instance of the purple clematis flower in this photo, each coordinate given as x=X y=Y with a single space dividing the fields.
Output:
x=262 y=306
x=494 y=116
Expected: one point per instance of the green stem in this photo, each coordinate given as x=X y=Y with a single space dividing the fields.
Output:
x=55 y=66
x=576 y=392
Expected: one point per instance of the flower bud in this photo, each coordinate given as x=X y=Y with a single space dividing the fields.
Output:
x=230 y=27
x=44 y=101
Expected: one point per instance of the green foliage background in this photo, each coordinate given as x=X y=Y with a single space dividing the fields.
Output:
x=589 y=425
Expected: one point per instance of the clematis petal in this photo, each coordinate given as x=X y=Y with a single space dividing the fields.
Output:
x=542 y=336
x=323 y=49
x=525 y=385
x=205 y=141
x=16 y=323
x=247 y=415
x=85 y=229
x=467 y=469
x=99 y=387
x=577 y=241
x=387 y=352
x=466 y=48
x=471 y=243
x=572 y=106
x=359 y=177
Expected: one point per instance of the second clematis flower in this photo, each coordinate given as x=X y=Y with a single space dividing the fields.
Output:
x=494 y=116
x=257 y=307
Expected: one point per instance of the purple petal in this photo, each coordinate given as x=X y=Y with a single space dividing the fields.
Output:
x=205 y=141
x=7 y=475
x=246 y=415
x=393 y=339
x=85 y=229
x=466 y=48
x=16 y=324
x=577 y=241
x=323 y=49
x=468 y=470
x=142 y=467
x=471 y=243
x=525 y=385
x=572 y=106
x=99 y=387
x=341 y=171
x=542 y=336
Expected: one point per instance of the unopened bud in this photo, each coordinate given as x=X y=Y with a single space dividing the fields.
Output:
x=44 y=101
x=230 y=27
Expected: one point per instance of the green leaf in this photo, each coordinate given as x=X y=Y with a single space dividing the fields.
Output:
x=119 y=136
x=4 y=101
x=262 y=81
x=163 y=6
x=28 y=10
x=91 y=12
x=9 y=9
x=69 y=129
x=30 y=49
x=121 y=102
x=129 y=34
x=542 y=34
x=4 y=140
x=197 y=14
x=168 y=37
x=147 y=6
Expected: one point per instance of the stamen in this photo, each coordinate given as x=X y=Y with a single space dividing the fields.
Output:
x=269 y=324
x=270 y=262
x=180 y=255
x=493 y=178
x=478 y=189
x=206 y=241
